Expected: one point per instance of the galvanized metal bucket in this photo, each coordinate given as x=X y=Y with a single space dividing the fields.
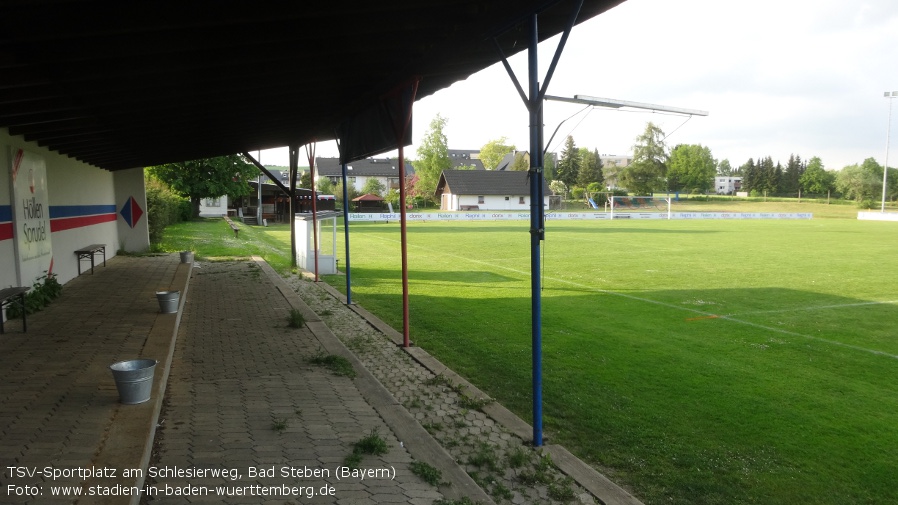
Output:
x=168 y=301
x=133 y=379
x=186 y=256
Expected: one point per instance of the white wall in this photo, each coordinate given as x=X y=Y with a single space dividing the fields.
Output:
x=7 y=248
x=85 y=208
x=493 y=202
x=130 y=190
x=216 y=210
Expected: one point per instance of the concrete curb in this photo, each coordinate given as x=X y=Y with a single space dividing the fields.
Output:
x=129 y=441
x=586 y=476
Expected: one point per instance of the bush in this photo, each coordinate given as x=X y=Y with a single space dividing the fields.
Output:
x=45 y=289
x=163 y=208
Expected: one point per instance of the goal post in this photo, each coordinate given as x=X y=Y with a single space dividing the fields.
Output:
x=640 y=204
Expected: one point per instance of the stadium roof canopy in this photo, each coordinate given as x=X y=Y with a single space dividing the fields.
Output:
x=122 y=85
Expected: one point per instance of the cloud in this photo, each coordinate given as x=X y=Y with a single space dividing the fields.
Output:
x=778 y=78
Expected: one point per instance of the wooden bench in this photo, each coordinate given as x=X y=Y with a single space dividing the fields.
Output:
x=469 y=207
x=88 y=253
x=15 y=295
x=232 y=225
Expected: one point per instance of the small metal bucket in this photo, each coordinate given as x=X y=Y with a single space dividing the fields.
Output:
x=133 y=379
x=186 y=256
x=168 y=301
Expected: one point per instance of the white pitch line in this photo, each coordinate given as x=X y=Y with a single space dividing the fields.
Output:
x=810 y=337
x=815 y=307
x=664 y=304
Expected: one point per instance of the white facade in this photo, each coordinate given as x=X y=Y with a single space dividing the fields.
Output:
x=358 y=182
x=214 y=207
x=451 y=201
x=727 y=184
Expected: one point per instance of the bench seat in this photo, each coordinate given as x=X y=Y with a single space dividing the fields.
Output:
x=88 y=252
x=15 y=295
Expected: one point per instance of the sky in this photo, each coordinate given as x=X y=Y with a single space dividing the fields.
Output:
x=778 y=77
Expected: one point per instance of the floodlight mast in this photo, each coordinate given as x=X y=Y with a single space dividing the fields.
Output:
x=885 y=169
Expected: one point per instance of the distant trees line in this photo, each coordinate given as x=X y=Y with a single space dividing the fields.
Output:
x=691 y=168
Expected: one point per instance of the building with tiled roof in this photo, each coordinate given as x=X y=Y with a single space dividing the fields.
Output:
x=465 y=158
x=386 y=170
x=486 y=190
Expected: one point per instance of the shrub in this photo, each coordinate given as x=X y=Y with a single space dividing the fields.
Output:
x=44 y=290
x=163 y=208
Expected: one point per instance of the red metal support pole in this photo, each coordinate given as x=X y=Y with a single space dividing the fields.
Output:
x=400 y=134
x=402 y=232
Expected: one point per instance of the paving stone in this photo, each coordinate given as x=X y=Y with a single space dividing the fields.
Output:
x=318 y=415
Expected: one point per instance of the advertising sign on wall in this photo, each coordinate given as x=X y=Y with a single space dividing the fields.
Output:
x=31 y=215
x=552 y=216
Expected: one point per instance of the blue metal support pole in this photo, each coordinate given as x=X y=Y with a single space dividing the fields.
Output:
x=534 y=105
x=346 y=235
x=536 y=232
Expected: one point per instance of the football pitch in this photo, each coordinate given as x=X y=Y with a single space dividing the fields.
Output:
x=695 y=362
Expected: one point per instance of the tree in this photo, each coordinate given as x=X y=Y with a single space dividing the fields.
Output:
x=724 y=168
x=590 y=168
x=750 y=176
x=789 y=183
x=207 y=178
x=373 y=186
x=549 y=166
x=351 y=192
x=648 y=172
x=324 y=186
x=433 y=158
x=692 y=168
x=815 y=179
x=521 y=162
x=493 y=151
x=769 y=176
x=569 y=165
x=860 y=182
x=558 y=188
x=411 y=187
x=305 y=179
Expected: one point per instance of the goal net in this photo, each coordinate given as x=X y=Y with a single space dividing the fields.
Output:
x=624 y=206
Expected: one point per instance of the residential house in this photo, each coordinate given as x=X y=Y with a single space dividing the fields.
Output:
x=386 y=170
x=514 y=160
x=486 y=190
x=465 y=158
x=214 y=207
x=612 y=166
x=616 y=161
x=727 y=184
x=520 y=160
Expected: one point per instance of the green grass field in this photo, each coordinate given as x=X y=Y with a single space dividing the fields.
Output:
x=694 y=362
